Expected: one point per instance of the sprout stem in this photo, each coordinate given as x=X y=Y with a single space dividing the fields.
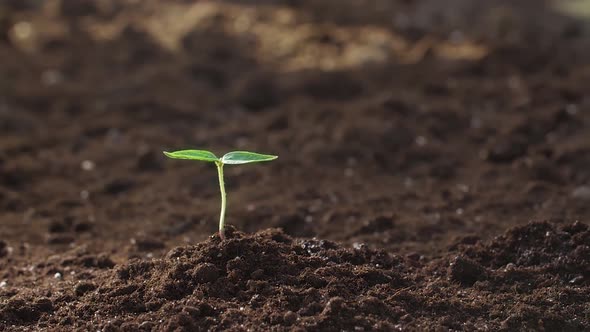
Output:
x=223 y=200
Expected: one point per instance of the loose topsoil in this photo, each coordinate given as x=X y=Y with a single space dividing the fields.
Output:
x=433 y=171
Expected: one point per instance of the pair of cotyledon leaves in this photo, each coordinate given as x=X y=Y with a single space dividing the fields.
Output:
x=231 y=158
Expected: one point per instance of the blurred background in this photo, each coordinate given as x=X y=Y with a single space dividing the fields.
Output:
x=409 y=125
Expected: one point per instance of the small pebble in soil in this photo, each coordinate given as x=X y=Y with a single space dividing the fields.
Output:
x=359 y=246
x=408 y=182
x=349 y=172
x=3 y=283
x=51 y=77
x=463 y=188
x=572 y=109
x=414 y=256
x=57 y=275
x=87 y=165
x=23 y=30
x=421 y=141
x=84 y=194
x=582 y=193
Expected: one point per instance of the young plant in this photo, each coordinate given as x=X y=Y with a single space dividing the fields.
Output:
x=230 y=158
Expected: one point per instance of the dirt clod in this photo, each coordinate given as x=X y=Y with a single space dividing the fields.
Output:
x=465 y=271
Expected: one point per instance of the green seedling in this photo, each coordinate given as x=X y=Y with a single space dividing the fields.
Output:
x=230 y=158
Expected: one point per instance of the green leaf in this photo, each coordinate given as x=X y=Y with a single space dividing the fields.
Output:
x=245 y=157
x=192 y=155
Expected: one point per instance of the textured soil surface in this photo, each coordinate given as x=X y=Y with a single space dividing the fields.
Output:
x=433 y=171
x=534 y=277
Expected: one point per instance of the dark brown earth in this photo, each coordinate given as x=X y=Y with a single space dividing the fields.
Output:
x=433 y=171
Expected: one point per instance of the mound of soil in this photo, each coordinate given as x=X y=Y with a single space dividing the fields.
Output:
x=535 y=277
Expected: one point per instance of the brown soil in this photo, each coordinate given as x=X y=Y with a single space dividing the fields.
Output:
x=434 y=168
